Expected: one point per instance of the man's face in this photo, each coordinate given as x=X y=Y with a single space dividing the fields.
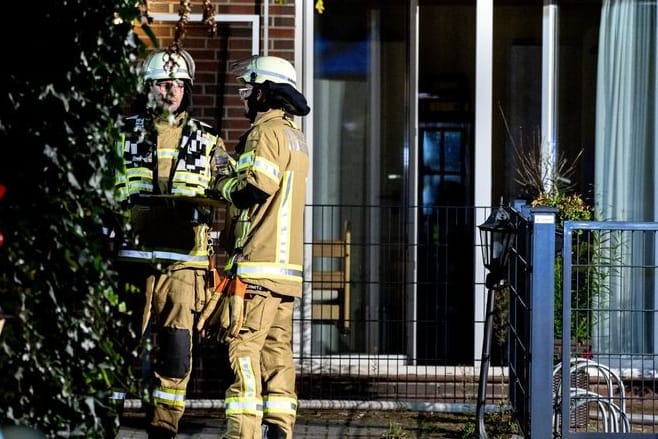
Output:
x=170 y=93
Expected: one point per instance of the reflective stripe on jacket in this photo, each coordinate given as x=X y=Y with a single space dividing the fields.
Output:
x=269 y=236
x=193 y=162
x=166 y=231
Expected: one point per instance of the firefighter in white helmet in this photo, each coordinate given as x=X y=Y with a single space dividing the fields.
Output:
x=264 y=226
x=169 y=163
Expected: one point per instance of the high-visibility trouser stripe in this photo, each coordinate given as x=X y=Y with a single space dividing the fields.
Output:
x=279 y=404
x=170 y=397
x=169 y=256
x=248 y=402
x=236 y=405
x=248 y=378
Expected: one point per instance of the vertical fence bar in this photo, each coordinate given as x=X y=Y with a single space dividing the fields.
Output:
x=541 y=326
x=565 y=416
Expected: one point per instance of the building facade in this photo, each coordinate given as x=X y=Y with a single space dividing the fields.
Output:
x=419 y=111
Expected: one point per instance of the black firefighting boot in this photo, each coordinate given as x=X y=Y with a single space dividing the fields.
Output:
x=273 y=431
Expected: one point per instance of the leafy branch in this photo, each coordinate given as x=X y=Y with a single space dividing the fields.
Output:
x=543 y=183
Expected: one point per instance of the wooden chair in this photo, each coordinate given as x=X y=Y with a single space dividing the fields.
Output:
x=330 y=282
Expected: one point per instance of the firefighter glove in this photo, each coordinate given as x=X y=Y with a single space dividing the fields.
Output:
x=214 y=315
x=235 y=301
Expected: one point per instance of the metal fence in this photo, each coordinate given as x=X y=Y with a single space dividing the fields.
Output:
x=407 y=333
x=530 y=320
x=609 y=331
x=406 y=336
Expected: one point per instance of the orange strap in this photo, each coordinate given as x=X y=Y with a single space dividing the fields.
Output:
x=213 y=279
x=237 y=287
x=221 y=285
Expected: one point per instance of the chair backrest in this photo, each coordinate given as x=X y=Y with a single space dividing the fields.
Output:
x=331 y=279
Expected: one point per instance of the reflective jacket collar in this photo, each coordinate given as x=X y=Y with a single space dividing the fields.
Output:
x=272 y=114
x=177 y=121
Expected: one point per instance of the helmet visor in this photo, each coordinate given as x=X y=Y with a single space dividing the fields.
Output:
x=243 y=68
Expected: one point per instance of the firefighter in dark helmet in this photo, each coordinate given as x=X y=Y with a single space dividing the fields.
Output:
x=264 y=243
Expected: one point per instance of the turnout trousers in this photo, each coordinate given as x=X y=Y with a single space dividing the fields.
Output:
x=263 y=391
x=177 y=295
x=163 y=306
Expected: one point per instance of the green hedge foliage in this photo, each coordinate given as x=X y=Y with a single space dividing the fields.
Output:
x=67 y=74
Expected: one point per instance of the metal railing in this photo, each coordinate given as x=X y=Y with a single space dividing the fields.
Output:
x=530 y=314
x=412 y=340
x=609 y=293
x=409 y=340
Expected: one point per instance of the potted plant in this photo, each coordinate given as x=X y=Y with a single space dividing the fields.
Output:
x=552 y=186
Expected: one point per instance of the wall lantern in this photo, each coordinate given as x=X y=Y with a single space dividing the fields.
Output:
x=496 y=236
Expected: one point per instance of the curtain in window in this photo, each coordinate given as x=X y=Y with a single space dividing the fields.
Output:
x=625 y=168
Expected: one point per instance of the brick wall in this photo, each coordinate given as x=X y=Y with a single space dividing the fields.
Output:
x=215 y=89
x=215 y=100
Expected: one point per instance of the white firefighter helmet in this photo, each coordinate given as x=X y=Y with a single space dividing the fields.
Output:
x=164 y=64
x=259 y=69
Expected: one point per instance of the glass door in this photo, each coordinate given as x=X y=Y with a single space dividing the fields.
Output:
x=361 y=129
